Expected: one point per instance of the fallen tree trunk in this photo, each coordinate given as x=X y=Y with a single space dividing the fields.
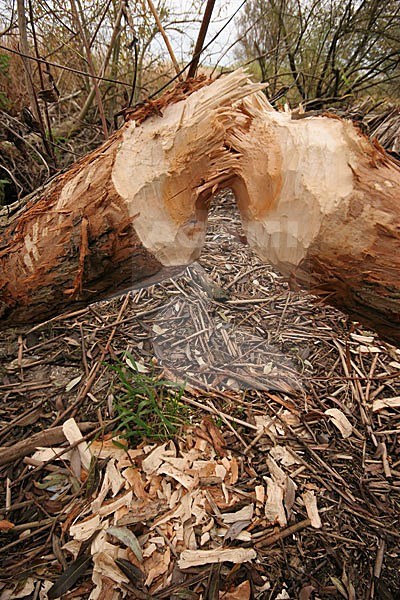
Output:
x=317 y=200
x=322 y=203
x=131 y=210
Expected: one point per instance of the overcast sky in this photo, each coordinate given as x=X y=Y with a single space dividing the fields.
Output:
x=222 y=12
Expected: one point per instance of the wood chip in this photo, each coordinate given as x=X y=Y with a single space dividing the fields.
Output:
x=310 y=502
x=194 y=558
x=157 y=565
x=187 y=481
x=274 y=509
x=73 y=435
x=155 y=459
x=85 y=529
x=245 y=514
x=111 y=507
x=386 y=403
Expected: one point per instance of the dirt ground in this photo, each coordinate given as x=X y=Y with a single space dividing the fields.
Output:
x=306 y=403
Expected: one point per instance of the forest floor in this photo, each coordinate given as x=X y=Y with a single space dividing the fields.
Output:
x=256 y=443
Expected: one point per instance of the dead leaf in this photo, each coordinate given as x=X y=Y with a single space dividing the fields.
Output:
x=6 y=525
x=217 y=438
x=351 y=594
x=234 y=530
x=242 y=592
x=133 y=573
x=70 y=386
x=306 y=592
x=339 y=586
x=129 y=539
x=340 y=421
x=65 y=582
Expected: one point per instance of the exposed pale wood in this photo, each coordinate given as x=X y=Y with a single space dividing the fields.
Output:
x=322 y=203
x=317 y=199
x=122 y=214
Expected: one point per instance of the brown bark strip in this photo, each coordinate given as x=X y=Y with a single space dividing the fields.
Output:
x=46 y=439
x=273 y=538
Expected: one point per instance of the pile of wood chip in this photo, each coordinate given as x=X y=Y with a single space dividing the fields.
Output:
x=161 y=509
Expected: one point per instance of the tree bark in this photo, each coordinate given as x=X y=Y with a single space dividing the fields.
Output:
x=317 y=200
x=322 y=203
x=134 y=207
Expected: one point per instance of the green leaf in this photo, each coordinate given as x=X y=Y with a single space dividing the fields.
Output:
x=129 y=539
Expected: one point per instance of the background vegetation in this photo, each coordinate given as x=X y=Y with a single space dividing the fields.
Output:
x=323 y=51
x=69 y=68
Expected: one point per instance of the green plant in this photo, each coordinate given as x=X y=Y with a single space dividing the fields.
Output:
x=147 y=406
x=4 y=68
x=4 y=63
x=3 y=183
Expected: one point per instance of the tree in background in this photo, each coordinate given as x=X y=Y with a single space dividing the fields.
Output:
x=94 y=60
x=321 y=51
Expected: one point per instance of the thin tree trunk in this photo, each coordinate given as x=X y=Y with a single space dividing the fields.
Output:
x=164 y=36
x=24 y=47
x=84 y=37
x=89 y=100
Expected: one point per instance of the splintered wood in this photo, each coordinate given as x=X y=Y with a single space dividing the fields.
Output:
x=317 y=199
x=159 y=508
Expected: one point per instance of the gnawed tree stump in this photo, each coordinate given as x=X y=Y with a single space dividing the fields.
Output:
x=321 y=202
x=317 y=200
x=124 y=213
